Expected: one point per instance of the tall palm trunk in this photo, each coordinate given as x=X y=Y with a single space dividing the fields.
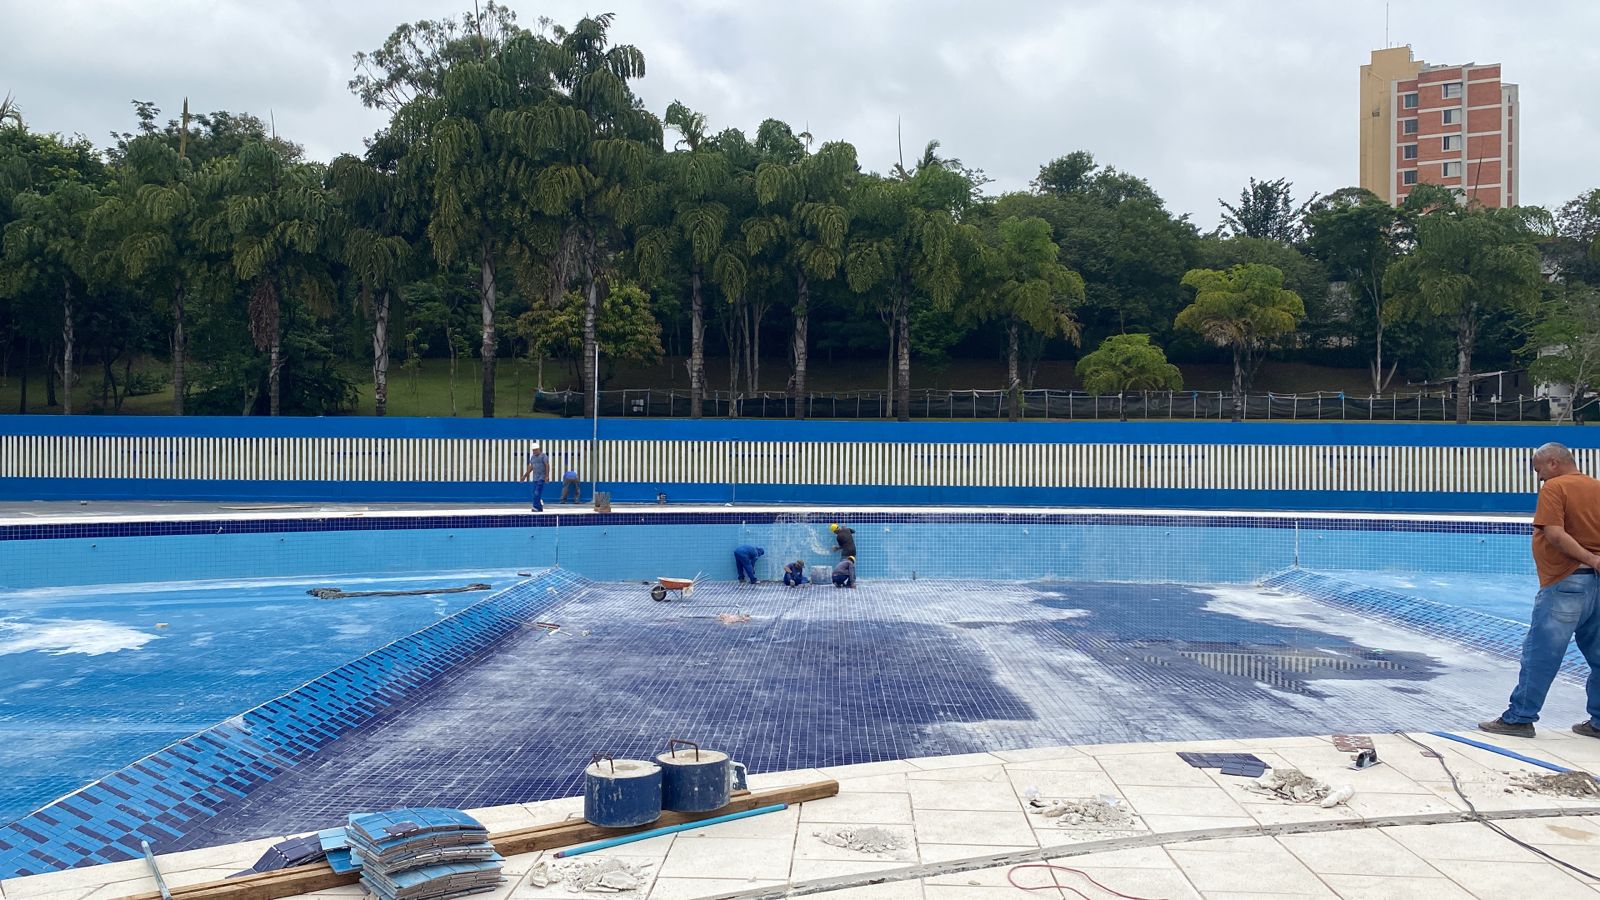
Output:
x=380 y=356
x=1238 y=382
x=66 y=347
x=591 y=313
x=274 y=373
x=1466 y=331
x=903 y=364
x=736 y=343
x=1013 y=370
x=487 y=350
x=697 y=348
x=802 y=320
x=180 y=349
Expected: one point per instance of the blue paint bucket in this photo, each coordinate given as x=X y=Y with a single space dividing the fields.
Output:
x=695 y=780
x=621 y=793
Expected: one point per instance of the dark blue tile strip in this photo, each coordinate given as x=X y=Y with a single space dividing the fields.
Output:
x=231 y=759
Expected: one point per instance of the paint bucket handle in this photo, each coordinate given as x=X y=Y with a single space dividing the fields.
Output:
x=673 y=743
x=597 y=757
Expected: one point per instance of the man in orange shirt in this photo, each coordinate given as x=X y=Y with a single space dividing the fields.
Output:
x=1566 y=534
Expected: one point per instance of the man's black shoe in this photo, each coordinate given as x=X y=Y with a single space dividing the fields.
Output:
x=1514 y=729
x=1586 y=729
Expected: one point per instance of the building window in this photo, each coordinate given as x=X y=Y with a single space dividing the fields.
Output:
x=1452 y=117
x=1452 y=142
x=1409 y=126
x=1452 y=170
x=1409 y=177
x=1452 y=91
x=1408 y=101
x=1409 y=151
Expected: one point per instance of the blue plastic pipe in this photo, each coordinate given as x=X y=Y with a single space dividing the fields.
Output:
x=1500 y=750
x=670 y=829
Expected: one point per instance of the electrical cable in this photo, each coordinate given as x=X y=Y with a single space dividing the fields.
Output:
x=1478 y=817
x=1055 y=883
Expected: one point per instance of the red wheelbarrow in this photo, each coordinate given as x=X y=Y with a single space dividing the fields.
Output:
x=684 y=587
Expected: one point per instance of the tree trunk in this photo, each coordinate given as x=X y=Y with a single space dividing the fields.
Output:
x=450 y=344
x=180 y=350
x=802 y=321
x=274 y=373
x=1238 y=382
x=903 y=364
x=1013 y=373
x=51 y=373
x=591 y=314
x=487 y=351
x=66 y=347
x=380 y=356
x=22 y=400
x=1465 y=335
x=735 y=325
x=888 y=384
x=697 y=348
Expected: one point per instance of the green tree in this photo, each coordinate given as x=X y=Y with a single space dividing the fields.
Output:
x=905 y=250
x=1240 y=309
x=693 y=215
x=1266 y=209
x=268 y=216
x=377 y=231
x=149 y=223
x=1353 y=232
x=1564 y=342
x=1024 y=285
x=11 y=113
x=46 y=255
x=626 y=329
x=1465 y=266
x=1127 y=362
x=804 y=223
x=592 y=181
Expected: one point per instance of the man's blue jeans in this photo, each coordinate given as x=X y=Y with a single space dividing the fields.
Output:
x=1561 y=612
x=538 y=495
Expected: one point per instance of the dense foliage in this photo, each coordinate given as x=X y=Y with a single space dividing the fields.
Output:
x=522 y=200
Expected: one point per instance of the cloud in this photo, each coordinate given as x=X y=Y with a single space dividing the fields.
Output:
x=1196 y=97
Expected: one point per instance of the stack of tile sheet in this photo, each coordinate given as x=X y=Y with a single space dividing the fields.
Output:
x=422 y=854
x=1246 y=765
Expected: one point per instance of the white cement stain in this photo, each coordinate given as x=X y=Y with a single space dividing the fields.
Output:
x=58 y=637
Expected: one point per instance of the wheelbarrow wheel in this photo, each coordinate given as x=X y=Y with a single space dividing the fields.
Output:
x=658 y=593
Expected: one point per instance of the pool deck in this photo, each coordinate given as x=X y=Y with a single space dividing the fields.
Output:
x=1198 y=833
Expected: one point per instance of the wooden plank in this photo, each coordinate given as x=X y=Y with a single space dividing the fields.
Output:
x=308 y=879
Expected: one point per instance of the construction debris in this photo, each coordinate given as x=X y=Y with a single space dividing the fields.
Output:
x=1576 y=783
x=333 y=593
x=870 y=839
x=1103 y=813
x=593 y=875
x=1297 y=787
x=733 y=618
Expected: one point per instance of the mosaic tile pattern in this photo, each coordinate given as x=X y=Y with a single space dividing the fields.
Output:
x=822 y=677
x=166 y=795
x=1493 y=635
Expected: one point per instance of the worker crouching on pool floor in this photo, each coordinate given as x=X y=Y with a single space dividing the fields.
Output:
x=844 y=574
x=744 y=557
x=794 y=574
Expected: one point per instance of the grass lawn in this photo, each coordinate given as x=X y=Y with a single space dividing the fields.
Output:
x=427 y=391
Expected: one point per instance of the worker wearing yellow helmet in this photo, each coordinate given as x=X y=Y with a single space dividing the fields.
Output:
x=846 y=538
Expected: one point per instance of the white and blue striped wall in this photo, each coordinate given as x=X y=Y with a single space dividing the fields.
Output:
x=1249 y=465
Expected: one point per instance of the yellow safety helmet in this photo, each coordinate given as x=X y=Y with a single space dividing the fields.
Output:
x=833 y=527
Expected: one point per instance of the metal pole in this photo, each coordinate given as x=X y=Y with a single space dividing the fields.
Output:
x=594 y=437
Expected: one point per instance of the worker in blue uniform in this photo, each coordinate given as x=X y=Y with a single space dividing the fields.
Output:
x=744 y=557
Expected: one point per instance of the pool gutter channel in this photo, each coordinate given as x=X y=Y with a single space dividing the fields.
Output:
x=1065 y=851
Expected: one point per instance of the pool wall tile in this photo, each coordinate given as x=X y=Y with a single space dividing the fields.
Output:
x=159 y=797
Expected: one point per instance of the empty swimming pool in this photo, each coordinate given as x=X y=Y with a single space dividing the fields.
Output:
x=971 y=631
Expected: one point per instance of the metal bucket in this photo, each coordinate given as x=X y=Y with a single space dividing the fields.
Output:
x=695 y=780
x=621 y=793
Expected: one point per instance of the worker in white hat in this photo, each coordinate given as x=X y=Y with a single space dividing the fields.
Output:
x=538 y=471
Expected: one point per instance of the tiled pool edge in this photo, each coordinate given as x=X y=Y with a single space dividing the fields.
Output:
x=155 y=797
x=1501 y=638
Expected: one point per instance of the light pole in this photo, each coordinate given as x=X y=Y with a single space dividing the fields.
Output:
x=594 y=438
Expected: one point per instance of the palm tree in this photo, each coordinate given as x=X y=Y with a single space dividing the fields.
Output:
x=804 y=223
x=376 y=248
x=1025 y=285
x=1241 y=309
x=11 y=112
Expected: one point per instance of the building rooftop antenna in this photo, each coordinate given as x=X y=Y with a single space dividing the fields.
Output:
x=1386 y=44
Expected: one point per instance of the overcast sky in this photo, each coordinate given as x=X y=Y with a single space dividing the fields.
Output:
x=1196 y=97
